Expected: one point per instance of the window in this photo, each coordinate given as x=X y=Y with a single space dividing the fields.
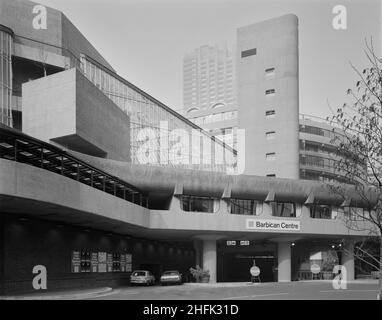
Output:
x=321 y=212
x=270 y=135
x=357 y=214
x=199 y=204
x=270 y=71
x=270 y=92
x=284 y=209
x=248 y=53
x=245 y=207
x=270 y=156
x=270 y=114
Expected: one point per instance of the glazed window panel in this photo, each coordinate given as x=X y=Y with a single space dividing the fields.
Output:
x=200 y=204
x=284 y=209
x=357 y=214
x=5 y=78
x=322 y=212
x=245 y=207
x=145 y=113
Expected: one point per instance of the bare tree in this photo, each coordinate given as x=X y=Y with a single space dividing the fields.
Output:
x=359 y=142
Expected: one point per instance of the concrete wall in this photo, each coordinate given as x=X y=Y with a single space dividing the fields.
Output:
x=69 y=110
x=66 y=197
x=77 y=202
x=223 y=222
x=60 y=32
x=18 y=15
x=276 y=42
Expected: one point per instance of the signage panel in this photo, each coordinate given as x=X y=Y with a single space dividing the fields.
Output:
x=273 y=225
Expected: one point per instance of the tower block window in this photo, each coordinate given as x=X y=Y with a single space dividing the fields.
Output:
x=248 y=53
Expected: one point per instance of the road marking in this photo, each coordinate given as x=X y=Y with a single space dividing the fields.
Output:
x=257 y=296
x=131 y=292
x=101 y=295
x=348 y=290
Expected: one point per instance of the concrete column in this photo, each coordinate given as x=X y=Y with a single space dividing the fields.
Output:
x=284 y=261
x=175 y=204
x=224 y=206
x=209 y=258
x=347 y=259
x=198 y=253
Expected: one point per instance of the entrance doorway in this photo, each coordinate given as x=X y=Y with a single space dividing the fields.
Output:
x=234 y=262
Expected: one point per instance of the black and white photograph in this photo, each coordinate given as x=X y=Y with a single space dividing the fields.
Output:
x=190 y=157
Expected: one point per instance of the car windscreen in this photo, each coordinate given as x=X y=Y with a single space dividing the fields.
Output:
x=170 y=273
x=139 y=274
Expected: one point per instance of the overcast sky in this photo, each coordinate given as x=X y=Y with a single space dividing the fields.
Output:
x=145 y=40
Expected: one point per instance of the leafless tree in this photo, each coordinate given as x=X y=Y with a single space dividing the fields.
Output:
x=359 y=142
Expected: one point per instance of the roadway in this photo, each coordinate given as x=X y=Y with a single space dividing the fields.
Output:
x=309 y=290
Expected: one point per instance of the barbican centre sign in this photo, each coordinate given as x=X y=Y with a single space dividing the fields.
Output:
x=273 y=225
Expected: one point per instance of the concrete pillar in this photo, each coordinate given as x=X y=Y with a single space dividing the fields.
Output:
x=284 y=254
x=176 y=204
x=198 y=253
x=210 y=258
x=225 y=207
x=347 y=259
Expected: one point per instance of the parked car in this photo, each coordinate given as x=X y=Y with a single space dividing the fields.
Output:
x=171 y=277
x=142 y=277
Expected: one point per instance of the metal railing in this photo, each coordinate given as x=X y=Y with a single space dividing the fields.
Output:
x=16 y=146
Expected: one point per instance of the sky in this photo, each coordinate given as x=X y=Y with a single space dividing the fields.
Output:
x=145 y=40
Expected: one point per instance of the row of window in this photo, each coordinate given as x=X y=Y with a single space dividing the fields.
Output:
x=5 y=78
x=318 y=131
x=215 y=117
x=269 y=114
x=279 y=209
x=320 y=162
x=318 y=147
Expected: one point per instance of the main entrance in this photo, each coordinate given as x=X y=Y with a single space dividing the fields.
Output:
x=235 y=259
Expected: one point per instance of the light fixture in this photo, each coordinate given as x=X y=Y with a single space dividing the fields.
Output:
x=293 y=244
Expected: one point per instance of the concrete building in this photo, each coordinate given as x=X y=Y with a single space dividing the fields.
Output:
x=32 y=53
x=209 y=78
x=73 y=201
x=267 y=71
x=279 y=141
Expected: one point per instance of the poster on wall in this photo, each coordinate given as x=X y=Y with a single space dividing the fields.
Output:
x=85 y=261
x=94 y=262
x=116 y=262
x=109 y=262
x=76 y=261
x=129 y=261
x=123 y=262
x=102 y=262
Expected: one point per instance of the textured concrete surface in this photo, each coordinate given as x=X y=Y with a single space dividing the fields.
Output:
x=68 y=109
x=276 y=41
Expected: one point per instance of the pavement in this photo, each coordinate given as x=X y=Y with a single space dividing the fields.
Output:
x=302 y=290
x=63 y=295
